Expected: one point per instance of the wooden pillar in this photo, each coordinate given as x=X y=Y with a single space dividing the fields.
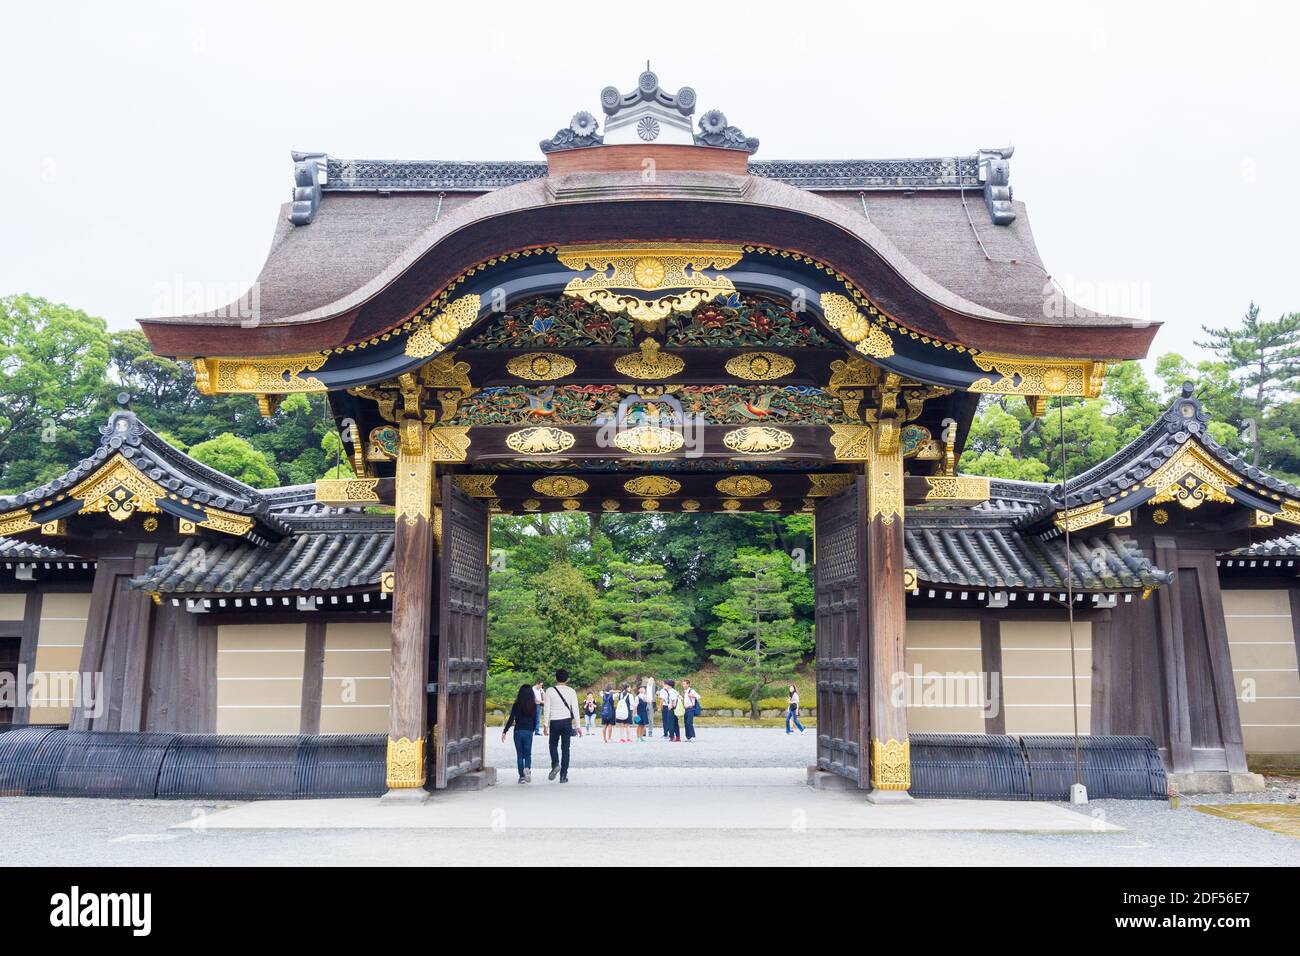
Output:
x=313 y=677
x=27 y=651
x=1172 y=660
x=991 y=658
x=891 y=767
x=413 y=597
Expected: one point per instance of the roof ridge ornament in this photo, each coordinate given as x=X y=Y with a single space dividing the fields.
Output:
x=649 y=114
x=995 y=174
x=310 y=171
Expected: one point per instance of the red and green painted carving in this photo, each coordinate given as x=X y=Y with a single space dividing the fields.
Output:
x=726 y=322
x=715 y=404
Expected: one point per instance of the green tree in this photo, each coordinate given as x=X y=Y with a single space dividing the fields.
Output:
x=639 y=620
x=53 y=363
x=760 y=640
x=233 y=456
x=1264 y=357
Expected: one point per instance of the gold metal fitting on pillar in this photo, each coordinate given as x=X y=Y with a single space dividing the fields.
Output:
x=405 y=763
x=891 y=764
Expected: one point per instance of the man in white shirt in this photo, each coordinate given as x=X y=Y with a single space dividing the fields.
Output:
x=672 y=727
x=538 y=699
x=664 y=713
x=690 y=697
x=560 y=710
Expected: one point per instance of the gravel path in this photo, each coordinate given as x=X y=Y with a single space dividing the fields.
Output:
x=55 y=831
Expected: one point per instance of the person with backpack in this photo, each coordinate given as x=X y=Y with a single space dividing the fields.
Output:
x=643 y=708
x=607 y=713
x=673 y=712
x=589 y=714
x=691 y=707
x=523 y=716
x=623 y=714
x=561 y=710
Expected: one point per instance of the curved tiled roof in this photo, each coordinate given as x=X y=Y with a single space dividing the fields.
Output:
x=320 y=554
x=12 y=549
x=1288 y=547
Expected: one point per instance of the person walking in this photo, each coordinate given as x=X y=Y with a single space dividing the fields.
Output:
x=623 y=711
x=792 y=709
x=589 y=714
x=537 y=694
x=690 y=701
x=607 y=713
x=643 y=709
x=523 y=717
x=561 y=710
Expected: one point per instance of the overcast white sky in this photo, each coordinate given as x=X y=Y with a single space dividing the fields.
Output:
x=146 y=145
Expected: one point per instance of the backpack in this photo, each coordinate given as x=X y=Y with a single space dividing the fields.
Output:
x=606 y=706
x=622 y=712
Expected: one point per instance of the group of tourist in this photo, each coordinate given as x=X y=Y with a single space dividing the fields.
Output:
x=554 y=711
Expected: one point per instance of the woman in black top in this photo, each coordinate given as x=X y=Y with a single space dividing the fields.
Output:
x=524 y=716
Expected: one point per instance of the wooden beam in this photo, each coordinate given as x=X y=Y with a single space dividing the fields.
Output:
x=27 y=649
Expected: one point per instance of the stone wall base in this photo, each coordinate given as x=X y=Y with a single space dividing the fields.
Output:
x=1209 y=781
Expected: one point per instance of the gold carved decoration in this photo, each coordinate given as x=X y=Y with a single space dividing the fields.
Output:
x=652 y=486
x=623 y=270
x=690 y=504
x=771 y=504
x=541 y=440
x=970 y=488
x=386 y=581
x=541 y=366
x=759 y=366
x=1290 y=512
x=347 y=491
x=891 y=764
x=1082 y=517
x=60 y=526
x=649 y=440
x=909 y=579
x=845 y=317
x=414 y=495
x=1160 y=516
x=250 y=376
x=609 y=504
x=850 y=378
x=743 y=486
x=224 y=521
x=268 y=405
x=757 y=440
x=884 y=485
x=449 y=442
x=435 y=335
x=560 y=486
x=1191 y=477
x=185 y=526
x=405 y=763
x=15 y=522
x=650 y=504
x=150 y=524
x=1032 y=376
x=478 y=486
x=852 y=442
x=649 y=362
x=572 y=504
x=119 y=490
x=531 y=504
x=823 y=486
x=731 y=504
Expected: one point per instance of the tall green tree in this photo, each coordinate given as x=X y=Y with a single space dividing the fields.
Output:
x=759 y=638
x=639 y=621
x=1265 y=359
x=233 y=456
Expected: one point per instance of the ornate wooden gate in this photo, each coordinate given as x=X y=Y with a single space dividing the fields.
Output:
x=842 y=693
x=461 y=647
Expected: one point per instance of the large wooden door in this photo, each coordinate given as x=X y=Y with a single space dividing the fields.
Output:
x=461 y=645
x=842 y=696
x=8 y=669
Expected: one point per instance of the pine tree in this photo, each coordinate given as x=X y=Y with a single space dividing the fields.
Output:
x=1266 y=357
x=638 y=619
x=759 y=636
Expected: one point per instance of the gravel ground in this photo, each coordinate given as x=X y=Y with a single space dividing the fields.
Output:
x=52 y=831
